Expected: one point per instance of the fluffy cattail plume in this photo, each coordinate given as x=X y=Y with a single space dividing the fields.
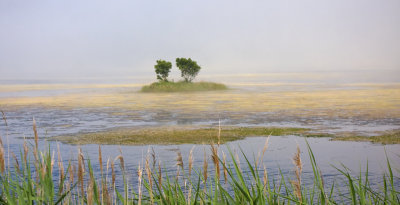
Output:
x=52 y=163
x=60 y=168
x=190 y=161
x=36 y=134
x=71 y=177
x=43 y=169
x=298 y=170
x=107 y=198
x=215 y=159
x=189 y=194
x=107 y=166
x=71 y=172
x=106 y=195
x=260 y=157
x=154 y=159
x=205 y=167
x=4 y=118
x=219 y=132
x=140 y=173
x=112 y=174
x=16 y=165
x=266 y=145
x=26 y=151
x=121 y=161
x=265 y=177
x=148 y=173
x=148 y=170
x=81 y=170
x=179 y=160
x=322 y=178
x=89 y=193
x=100 y=161
x=238 y=161
x=159 y=175
x=2 y=157
x=225 y=168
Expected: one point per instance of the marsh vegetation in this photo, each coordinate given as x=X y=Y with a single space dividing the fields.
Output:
x=175 y=135
x=41 y=177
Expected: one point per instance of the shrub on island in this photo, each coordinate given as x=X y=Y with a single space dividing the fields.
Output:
x=189 y=70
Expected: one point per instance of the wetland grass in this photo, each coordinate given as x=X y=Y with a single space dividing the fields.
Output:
x=32 y=181
x=248 y=186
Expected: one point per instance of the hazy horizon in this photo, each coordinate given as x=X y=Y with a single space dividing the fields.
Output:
x=98 y=39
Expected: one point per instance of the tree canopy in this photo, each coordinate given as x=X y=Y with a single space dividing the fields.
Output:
x=189 y=68
x=162 y=69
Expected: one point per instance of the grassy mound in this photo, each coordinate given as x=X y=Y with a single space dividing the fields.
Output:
x=201 y=135
x=176 y=135
x=182 y=87
x=390 y=137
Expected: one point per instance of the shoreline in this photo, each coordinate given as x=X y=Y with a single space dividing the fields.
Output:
x=205 y=135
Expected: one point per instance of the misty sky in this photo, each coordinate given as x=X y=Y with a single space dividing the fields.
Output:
x=70 y=38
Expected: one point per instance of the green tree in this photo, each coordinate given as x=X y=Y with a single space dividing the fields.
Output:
x=162 y=69
x=189 y=68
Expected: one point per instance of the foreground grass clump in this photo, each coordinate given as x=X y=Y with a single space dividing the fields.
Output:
x=38 y=178
x=164 y=86
x=175 y=135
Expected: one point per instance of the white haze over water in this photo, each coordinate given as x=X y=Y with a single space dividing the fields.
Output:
x=67 y=41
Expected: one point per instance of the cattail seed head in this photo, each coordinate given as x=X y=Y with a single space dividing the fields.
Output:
x=148 y=171
x=121 y=161
x=215 y=159
x=100 y=161
x=4 y=117
x=16 y=161
x=179 y=160
x=225 y=168
x=298 y=170
x=190 y=161
x=238 y=161
x=112 y=174
x=26 y=151
x=71 y=171
x=205 y=167
x=2 y=157
x=219 y=132
x=35 y=134
x=159 y=175
x=140 y=173
x=265 y=177
x=60 y=167
x=81 y=169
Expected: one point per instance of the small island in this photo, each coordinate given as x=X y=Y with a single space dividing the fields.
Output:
x=189 y=70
